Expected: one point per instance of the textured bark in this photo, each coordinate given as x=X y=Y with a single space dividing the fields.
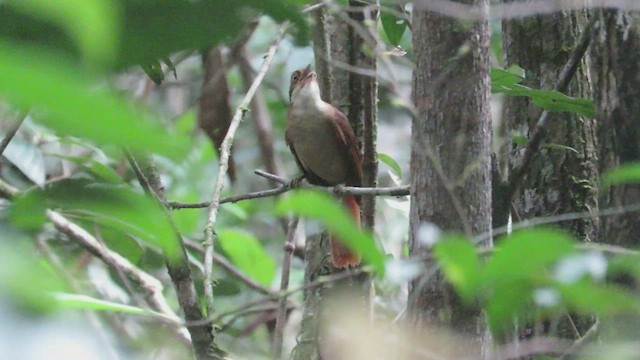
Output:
x=564 y=178
x=450 y=155
x=615 y=70
x=560 y=179
x=202 y=333
x=214 y=108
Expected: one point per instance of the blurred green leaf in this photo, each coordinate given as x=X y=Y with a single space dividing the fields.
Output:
x=120 y=242
x=506 y=302
x=391 y=163
x=458 y=258
x=144 y=30
x=520 y=140
x=72 y=104
x=623 y=174
x=23 y=277
x=601 y=299
x=154 y=71
x=325 y=208
x=84 y=302
x=93 y=24
x=101 y=171
x=525 y=253
x=246 y=252
x=508 y=82
x=117 y=207
x=393 y=25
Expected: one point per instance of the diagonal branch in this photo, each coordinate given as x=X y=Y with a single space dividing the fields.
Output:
x=539 y=132
x=225 y=150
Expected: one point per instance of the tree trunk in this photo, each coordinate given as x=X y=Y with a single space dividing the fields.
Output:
x=450 y=155
x=563 y=175
x=615 y=72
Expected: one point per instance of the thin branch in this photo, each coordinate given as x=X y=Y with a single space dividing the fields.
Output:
x=281 y=315
x=285 y=186
x=314 y=284
x=12 y=131
x=151 y=286
x=225 y=150
x=539 y=132
x=234 y=271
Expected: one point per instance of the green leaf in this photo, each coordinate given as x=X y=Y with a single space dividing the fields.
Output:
x=84 y=302
x=93 y=24
x=246 y=252
x=525 y=253
x=459 y=261
x=507 y=301
x=508 y=82
x=623 y=174
x=391 y=163
x=72 y=104
x=101 y=171
x=154 y=71
x=393 y=25
x=601 y=299
x=120 y=208
x=325 y=208
x=144 y=30
x=25 y=278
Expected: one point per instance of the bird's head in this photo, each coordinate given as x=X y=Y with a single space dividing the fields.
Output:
x=304 y=86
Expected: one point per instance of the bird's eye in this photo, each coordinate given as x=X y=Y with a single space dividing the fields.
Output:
x=294 y=77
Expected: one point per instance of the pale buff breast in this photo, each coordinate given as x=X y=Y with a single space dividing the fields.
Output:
x=317 y=145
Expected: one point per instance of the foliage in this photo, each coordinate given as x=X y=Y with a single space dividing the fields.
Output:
x=533 y=273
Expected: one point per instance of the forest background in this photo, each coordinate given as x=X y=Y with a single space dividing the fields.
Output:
x=147 y=208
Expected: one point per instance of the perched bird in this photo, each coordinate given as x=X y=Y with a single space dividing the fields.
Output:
x=325 y=148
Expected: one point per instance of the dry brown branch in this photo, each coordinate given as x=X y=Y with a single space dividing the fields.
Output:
x=285 y=186
x=281 y=315
x=152 y=287
x=225 y=149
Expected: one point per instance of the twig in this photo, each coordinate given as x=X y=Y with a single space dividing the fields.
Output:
x=225 y=149
x=593 y=330
x=12 y=132
x=151 y=286
x=340 y=190
x=281 y=315
x=319 y=282
x=234 y=271
x=533 y=146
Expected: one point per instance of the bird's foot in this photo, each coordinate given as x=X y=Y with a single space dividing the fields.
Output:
x=294 y=183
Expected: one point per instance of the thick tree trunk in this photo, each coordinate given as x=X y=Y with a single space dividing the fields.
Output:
x=450 y=155
x=563 y=175
x=615 y=72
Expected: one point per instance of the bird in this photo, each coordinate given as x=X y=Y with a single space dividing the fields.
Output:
x=325 y=149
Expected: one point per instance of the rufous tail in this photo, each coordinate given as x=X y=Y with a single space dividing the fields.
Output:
x=341 y=256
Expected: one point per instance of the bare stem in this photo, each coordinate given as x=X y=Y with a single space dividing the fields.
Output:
x=225 y=150
x=281 y=315
x=340 y=190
